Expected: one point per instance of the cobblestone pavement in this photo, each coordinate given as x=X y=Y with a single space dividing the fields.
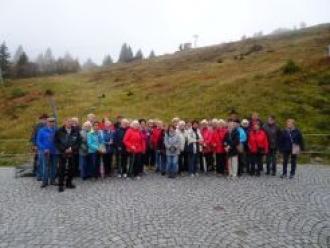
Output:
x=206 y=211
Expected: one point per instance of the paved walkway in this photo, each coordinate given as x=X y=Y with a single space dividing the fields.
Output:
x=207 y=211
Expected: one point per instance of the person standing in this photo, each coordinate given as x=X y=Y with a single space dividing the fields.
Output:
x=172 y=144
x=135 y=146
x=121 y=153
x=37 y=168
x=94 y=143
x=157 y=141
x=47 y=152
x=273 y=134
x=83 y=151
x=290 y=144
x=258 y=147
x=231 y=143
x=218 y=139
x=183 y=155
x=195 y=141
x=67 y=141
x=206 y=159
x=107 y=137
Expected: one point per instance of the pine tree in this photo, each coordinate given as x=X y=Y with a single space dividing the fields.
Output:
x=152 y=54
x=18 y=54
x=107 y=61
x=138 y=55
x=126 y=54
x=4 y=60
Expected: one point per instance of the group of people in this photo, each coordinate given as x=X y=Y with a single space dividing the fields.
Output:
x=125 y=147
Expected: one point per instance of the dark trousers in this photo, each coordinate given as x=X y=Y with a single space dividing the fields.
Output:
x=135 y=164
x=107 y=163
x=182 y=162
x=76 y=165
x=65 y=169
x=286 y=156
x=256 y=163
x=122 y=162
x=193 y=159
x=149 y=157
x=208 y=159
x=35 y=163
x=220 y=160
x=271 y=161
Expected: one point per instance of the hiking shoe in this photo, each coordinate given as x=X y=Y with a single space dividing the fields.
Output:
x=60 y=189
x=71 y=186
x=44 y=185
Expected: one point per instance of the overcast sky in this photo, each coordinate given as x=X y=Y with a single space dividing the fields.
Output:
x=93 y=28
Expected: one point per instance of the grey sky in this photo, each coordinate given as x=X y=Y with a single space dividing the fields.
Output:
x=93 y=28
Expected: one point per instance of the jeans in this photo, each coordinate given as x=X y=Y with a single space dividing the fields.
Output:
x=107 y=163
x=39 y=167
x=172 y=164
x=160 y=161
x=121 y=159
x=92 y=165
x=193 y=162
x=83 y=166
x=48 y=163
x=286 y=156
x=271 y=161
x=206 y=160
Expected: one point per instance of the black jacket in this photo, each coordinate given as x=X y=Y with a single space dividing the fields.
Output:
x=232 y=140
x=64 y=140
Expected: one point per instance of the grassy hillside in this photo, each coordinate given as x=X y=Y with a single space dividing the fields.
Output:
x=205 y=82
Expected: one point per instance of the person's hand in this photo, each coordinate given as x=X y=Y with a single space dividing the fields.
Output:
x=69 y=150
x=133 y=148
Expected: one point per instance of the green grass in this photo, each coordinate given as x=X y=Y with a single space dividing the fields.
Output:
x=189 y=84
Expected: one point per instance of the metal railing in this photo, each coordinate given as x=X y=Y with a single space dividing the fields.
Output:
x=317 y=148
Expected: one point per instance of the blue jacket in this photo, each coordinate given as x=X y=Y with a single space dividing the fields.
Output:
x=289 y=137
x=107 y=138
x=93 y=141
x=45 y=139
x=242 y=135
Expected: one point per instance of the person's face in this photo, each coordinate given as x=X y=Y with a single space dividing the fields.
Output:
x=143 y=124
x=69 y=123
x=124 y=124
x=290 y=124
x=256 y=127
x=271 y=121
x=171 y=130
x=51 y=124
x=96 y=126
x=231 y=125
x=203 y=125
x=188 y=125
x=43 y=121
x=107 y=125
x=195 y=125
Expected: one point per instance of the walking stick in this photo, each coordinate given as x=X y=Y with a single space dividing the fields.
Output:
x=101 y=166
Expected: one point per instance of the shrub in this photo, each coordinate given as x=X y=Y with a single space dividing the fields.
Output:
x=290 y=67
x=17 y=92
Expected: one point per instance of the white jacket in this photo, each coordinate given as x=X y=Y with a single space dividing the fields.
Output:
x=183 y=138
x=193 y=139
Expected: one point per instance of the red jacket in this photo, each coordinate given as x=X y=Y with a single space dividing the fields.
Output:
x=218 y=139
x=156 y=135
x=207 y=140
x=134 y=138
x=258 y=141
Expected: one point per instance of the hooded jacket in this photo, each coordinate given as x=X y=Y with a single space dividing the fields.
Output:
x=45 y=140
x=258 y=142
x=218 y=139
x=134 y=141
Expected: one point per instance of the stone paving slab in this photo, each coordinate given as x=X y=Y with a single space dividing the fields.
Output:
x=206 y=211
